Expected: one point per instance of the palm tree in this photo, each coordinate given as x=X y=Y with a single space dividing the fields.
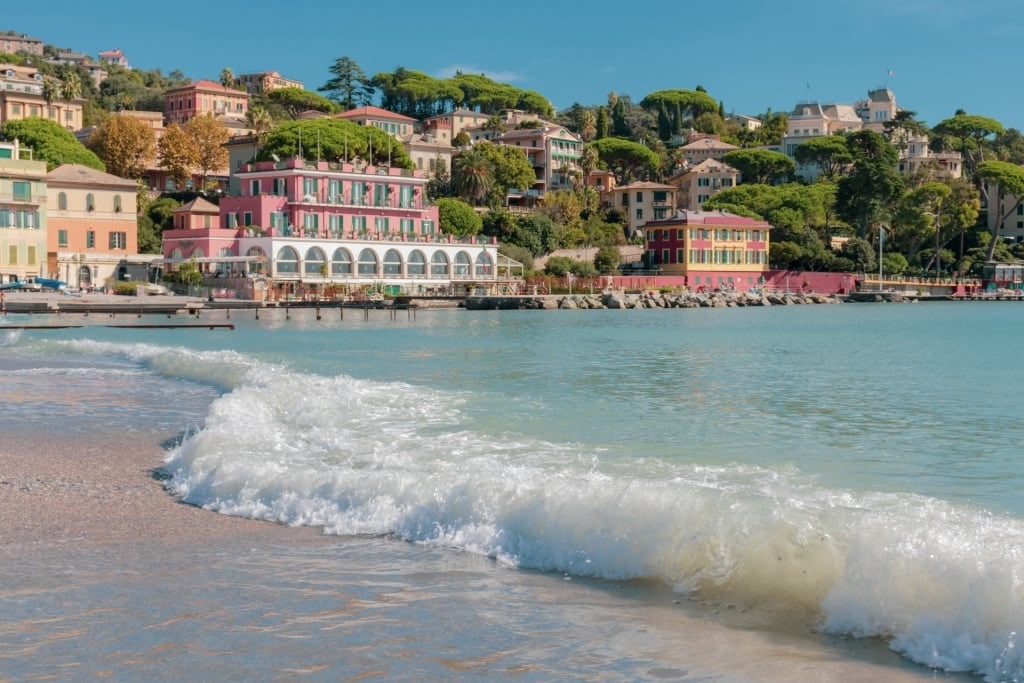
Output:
x=51 y=91
x=227 y=77
x=261 y=123
x=71 y=89
x=473 y=175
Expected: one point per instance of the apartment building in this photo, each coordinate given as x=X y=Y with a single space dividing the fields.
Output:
x=265 y=81
x=698 y=184
x=22 y=213
x=21 y=97
x=204 y=97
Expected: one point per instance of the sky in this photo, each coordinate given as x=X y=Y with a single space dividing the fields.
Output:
x=936 y=55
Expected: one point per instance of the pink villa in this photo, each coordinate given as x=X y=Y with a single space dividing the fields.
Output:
x=710 y=250
x=318 y=224
x=204 y=97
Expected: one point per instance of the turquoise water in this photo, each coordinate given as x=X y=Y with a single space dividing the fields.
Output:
x=858 y=463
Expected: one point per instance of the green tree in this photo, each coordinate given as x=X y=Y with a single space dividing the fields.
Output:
x=1008 y=181
x=602 y=126
x=334 y=140
x=296 y=100
x=628 y=160
x=227 y=77
x=472 y=175
x=762 y=166
x=512 y=169
x=50 y=142
x=348 y=85
x=607 y=260
x=829 y=153
x=458 y=218
x=259 y=121
x=208 y=138
x=873 y=185
x=71 y=88
x=124 y=144
x=970 y=132
x=691 y=103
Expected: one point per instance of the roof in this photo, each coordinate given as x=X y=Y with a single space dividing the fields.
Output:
x=77 y=174
x=644 y=186
x=710 y=218
x=712 y=166
x=708 y=143
x=208 y=85
x=197 y=205
x=371 y=112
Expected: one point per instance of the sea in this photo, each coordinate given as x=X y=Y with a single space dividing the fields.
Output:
x=825 y=492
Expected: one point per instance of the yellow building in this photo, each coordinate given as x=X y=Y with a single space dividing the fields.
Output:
x=22 y=213
x=92 y=227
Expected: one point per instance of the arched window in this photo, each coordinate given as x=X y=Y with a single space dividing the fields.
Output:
x=392 y=262
x=439 y=265
x=316 y=262
x=62 y=201
x=462 y=264
x=256 y=266
x=117 y=203
x=484 y=266
x=341 y=263
x=288 y=261
x=176 y=254
x=367 y=262
x=90 y=202
x=256 y=251
x=417 y=266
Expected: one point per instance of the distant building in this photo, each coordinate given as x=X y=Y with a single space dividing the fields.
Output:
x=705 y=147
x=701 y=182
x=714 y=250
x=447 y=126
x=13 y=43
x=265 y=81
x=641 y=203
x=22 y=213
x=204 y=97
x=388 y=121
x=114 y=56
x=554 y=152
x=429 y=154
x=601 y=180
x=745 y=122
x=21 y=97
x=92 y=225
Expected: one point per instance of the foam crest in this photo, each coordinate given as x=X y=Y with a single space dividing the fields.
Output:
x=941 y=582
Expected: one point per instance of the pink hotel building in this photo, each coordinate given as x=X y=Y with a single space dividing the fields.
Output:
x=329 y=223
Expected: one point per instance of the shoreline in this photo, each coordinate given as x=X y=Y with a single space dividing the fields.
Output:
x=78 y=512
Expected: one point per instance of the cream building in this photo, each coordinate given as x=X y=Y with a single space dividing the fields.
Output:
x=93 y=225
x=705 y=147
x=642 y=202
x=428 y=153
x=21 y=97
x=22 y=213
x=265 y=81
x=701 y=182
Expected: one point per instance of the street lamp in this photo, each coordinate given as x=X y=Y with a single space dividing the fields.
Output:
x=937 y=246
x=882 y=228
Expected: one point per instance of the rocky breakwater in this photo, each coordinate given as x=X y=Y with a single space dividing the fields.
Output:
x=661 y=300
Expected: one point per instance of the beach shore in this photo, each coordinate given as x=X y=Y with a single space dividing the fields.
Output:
x=93 y=506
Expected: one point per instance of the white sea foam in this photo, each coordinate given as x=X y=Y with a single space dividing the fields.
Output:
x=942 y=583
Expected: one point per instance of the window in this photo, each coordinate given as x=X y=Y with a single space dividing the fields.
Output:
x=22 y=191
x=639 y=214
x=680 y=256
x=335 y=223
x=311 y=221
x=310 y=187
x=359 y=223
x=62 y=201
x=12 y=254
x=247 y=218
x=277 y=219
x=207 y=219
x=254 y=187
x=665 y=254
x=118 y=240
x=380 y=223
x=639 y=196
x=90 y=239
x=665 y=235
x=232 y=220
x=31 y=255
x=680 y=235
x=703 y=182
x=62 y=238
x=279 y=187
x=407 y=225
x=117 y=204
x=427 y=227
x=90 y=202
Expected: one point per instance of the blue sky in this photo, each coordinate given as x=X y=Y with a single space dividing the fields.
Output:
x=945 y=54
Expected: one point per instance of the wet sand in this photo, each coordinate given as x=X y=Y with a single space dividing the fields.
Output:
x=96 y=499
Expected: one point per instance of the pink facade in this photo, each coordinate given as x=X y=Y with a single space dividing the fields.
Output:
x=203 y=97
x=299 y=198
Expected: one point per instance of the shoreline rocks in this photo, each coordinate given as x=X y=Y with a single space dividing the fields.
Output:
x=621 y=300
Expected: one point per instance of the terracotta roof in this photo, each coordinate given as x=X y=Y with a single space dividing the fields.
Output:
x=197 y=205
x=207 y=85
x=373 y=113
x=77 y=174
x=710 y=218
x=708 y=143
